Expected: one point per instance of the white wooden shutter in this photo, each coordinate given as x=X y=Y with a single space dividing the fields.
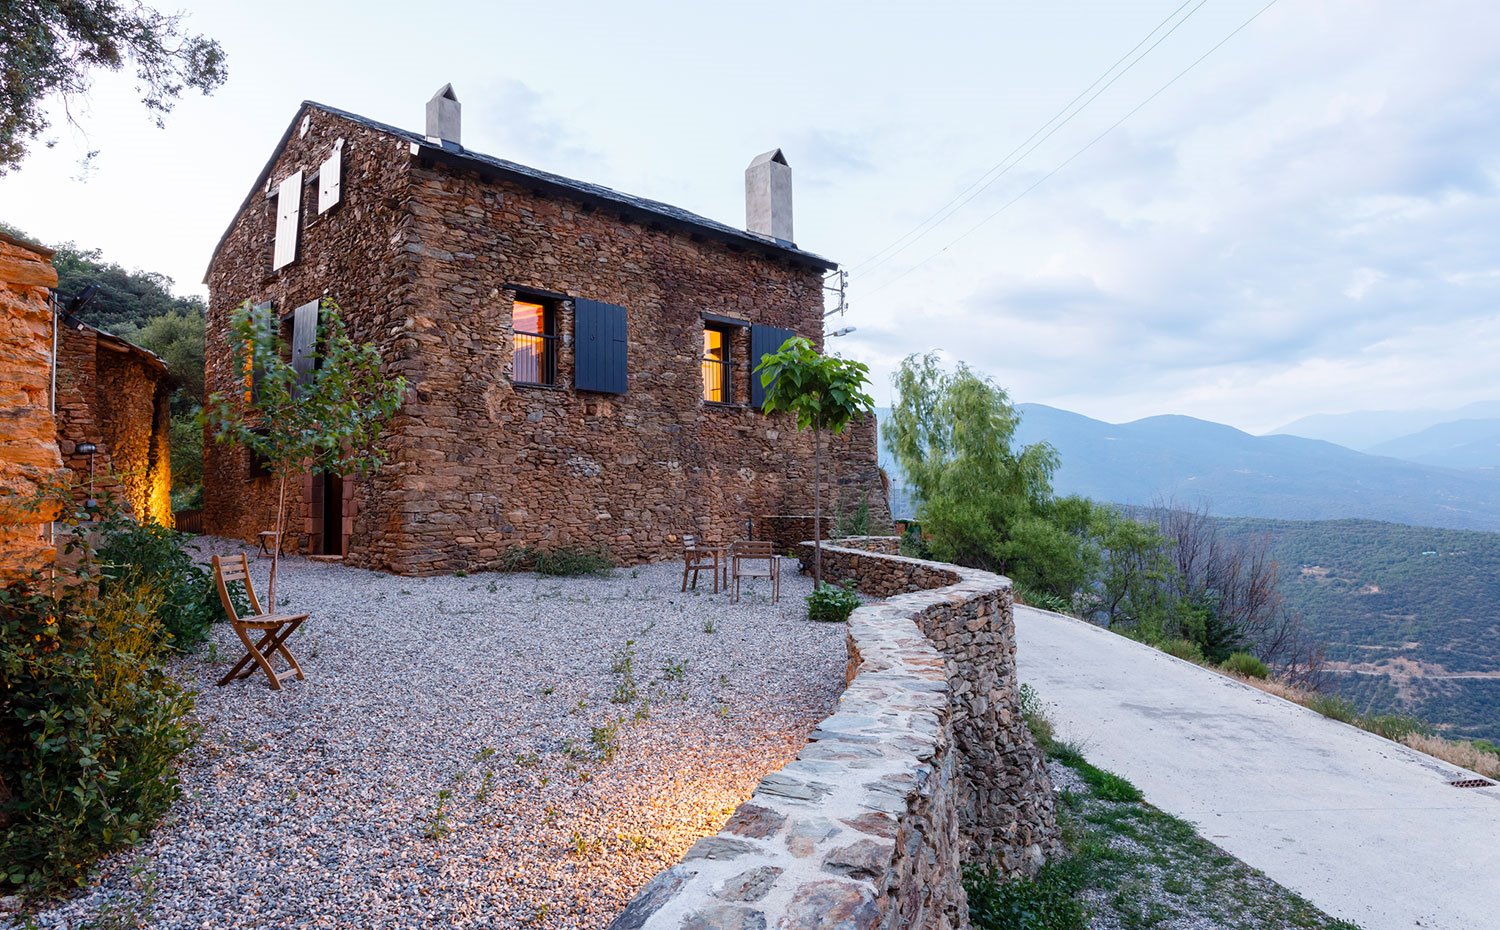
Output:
x=329 y=178
x=288 y=208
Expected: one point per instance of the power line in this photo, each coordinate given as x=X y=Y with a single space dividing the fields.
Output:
x=1071 y=158
x=984 y=181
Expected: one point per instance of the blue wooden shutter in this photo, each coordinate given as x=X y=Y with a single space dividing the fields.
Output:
x=764 y=340
x=599 y=347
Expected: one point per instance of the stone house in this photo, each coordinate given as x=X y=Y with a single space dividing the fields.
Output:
x=579 y=359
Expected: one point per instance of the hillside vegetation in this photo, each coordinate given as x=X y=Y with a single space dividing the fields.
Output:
x=1411 y=615
x=1196 y=463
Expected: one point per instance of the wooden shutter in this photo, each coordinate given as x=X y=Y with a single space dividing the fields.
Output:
x=330 y=181
x=288 y=208
x=599 y=347
x=305 y=341
x=764 y=340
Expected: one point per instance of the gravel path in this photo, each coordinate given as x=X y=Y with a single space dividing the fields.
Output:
x=470 y=751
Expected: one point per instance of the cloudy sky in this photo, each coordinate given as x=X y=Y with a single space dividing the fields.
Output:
x=1306 y=221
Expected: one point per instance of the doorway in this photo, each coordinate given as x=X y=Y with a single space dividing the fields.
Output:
x=333 y=515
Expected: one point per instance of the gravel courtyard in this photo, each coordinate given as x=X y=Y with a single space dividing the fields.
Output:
x=483 y=751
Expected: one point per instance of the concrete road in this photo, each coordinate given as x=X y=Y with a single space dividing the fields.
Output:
x=1368 y=830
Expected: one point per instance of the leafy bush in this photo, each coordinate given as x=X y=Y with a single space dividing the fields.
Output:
x=90 y=727
x=832 y=603
x=131 y=555
x=854 y=523
x=1182 y=649
x=1047 y=902
x=565 y=560
x=1331 y=705
x=1043 y=600
x=1243 y=663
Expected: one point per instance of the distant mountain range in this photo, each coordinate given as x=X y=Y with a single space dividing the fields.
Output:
x=1191 y=461
x=1455 y=444
x=1364 y=430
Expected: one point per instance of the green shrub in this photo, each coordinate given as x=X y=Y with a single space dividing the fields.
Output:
x=1484 y=745
x=832 y=603
x=131 y=555
x=90 y=728
x=1331 y=705
x=1243 y=663
x=1182 y=649
x=854 y=523
x=1044 y=601
x=564 y=560
x=1047 y=902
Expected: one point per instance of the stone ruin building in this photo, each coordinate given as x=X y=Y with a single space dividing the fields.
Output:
x=579 y=359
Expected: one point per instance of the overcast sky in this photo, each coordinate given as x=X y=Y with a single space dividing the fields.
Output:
x=1308 y=221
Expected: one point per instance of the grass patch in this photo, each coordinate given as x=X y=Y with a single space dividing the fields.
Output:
x=563 y=561
x=1247 y=665
x=1128 y=865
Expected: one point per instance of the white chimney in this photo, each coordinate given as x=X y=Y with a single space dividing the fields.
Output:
x=443 y=118
x=768 y=196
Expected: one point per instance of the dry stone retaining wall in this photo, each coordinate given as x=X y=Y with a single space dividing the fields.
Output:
x=924 y=765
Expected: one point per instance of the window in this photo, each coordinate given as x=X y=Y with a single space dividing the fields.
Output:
x=288 y=211
x=716 y=383
x=535 y=326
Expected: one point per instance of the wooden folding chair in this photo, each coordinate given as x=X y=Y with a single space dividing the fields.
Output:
x=276 y=627
x=696 y=557
x=745 y=552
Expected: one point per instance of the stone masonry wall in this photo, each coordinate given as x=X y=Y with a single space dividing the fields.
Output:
x=116 y=398
x=426 y=261
x=923 y=766
x=29 y=458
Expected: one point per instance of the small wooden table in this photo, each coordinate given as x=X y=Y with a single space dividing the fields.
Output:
x=268 y=538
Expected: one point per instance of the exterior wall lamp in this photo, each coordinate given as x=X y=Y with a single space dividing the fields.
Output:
x=89 y=449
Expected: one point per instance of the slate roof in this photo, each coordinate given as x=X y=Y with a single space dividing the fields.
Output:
x=629 y=204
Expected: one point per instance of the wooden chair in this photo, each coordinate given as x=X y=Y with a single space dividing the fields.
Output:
x=697 y=556
x=275 y=627
x=743 y=555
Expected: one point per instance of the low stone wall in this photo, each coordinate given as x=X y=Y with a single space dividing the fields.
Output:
x=924 y=765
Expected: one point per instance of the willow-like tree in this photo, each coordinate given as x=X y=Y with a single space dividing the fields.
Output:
x=823 y=392
x=326 y=418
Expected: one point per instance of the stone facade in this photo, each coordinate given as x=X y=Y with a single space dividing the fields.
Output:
x=29 y=458
x=425 y=253
x=115 y=395
x=924 y=765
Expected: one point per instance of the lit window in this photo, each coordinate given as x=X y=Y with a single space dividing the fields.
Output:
x=716 y=366
x=535 y=331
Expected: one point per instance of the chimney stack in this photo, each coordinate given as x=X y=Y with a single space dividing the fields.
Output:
x=768 y=197
x=443 y=118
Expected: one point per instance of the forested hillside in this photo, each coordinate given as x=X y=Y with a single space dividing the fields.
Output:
x=1411 y=615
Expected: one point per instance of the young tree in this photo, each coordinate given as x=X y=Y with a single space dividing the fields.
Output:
x=824 y=392
x=50 y=47
x=981 y=501
x=326 y=418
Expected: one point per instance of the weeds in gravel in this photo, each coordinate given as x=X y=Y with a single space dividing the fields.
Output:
x=584 y=846
x=708 y=626
x=548 y=689
x=675 y=671
x=437 y=825
x=624 y=668
x=486 y=785
x=129 y=914
x=563 y=561
x=606 y=739
x=527 y=760
x=492 y=587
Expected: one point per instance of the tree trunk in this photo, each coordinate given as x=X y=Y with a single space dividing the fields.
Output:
x=817 y=509
x=276 y=543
